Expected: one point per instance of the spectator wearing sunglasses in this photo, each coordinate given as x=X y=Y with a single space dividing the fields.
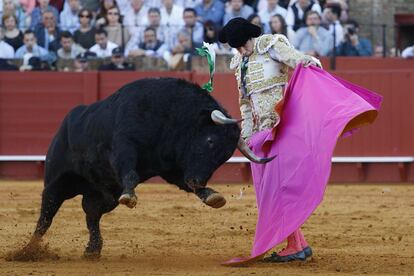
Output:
x=116 y=32
x=85 y=35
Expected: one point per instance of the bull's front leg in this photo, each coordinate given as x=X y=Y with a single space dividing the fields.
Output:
x=124 y=163
x=129 y=181
x=210 y=197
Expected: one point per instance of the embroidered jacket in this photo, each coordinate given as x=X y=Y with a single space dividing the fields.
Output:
x=267 y=69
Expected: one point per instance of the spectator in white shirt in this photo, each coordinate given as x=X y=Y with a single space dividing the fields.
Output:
x=154 y=21
x=153 y=4
x=408 y=52
x=331 y=14
x=188 y=3
x=193 y=27
x=103 y=47
x=151 y=46
x=171 y=14
x=6 y=50
x=237 y=8
x=69 y=19
x=271 y=9
x=136 y=17
x=124 y=6
x=296 y=13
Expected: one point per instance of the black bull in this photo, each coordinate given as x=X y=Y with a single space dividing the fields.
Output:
x=165 y=127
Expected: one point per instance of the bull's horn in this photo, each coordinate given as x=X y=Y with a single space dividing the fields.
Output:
x=220 y=119
x=242 y=146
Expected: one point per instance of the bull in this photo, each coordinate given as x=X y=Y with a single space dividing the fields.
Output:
x=153 y=127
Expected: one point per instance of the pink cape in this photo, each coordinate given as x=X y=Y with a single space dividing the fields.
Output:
x=318 y=108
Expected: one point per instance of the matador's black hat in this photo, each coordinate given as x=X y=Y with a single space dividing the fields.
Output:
x=237 y=31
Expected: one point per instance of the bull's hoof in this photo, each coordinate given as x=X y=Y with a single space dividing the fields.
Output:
x=92 y=255
x=128 y=200
x=215 y=200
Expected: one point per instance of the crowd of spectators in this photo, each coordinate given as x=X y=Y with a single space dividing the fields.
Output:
x=40 y=32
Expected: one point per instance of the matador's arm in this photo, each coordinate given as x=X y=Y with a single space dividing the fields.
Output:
x=281 y=50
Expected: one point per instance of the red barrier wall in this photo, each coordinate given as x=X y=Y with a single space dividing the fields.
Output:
x=33 y=104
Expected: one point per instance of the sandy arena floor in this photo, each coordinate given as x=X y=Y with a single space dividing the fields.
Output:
x=357 y=230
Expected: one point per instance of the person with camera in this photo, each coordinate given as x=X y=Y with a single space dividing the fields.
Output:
x=353 y=45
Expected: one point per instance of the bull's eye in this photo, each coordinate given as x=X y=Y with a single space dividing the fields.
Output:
x=210 y=142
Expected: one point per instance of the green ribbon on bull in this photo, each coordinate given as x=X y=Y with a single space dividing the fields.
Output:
x=208 y=51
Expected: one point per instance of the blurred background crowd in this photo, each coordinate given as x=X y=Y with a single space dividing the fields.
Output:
x=65 y=35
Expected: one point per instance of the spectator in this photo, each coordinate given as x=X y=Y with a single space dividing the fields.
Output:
x=13 y=36
x=117 y=62
x=296 y=13
x=136 y=17
x=58 y=4
x=69 y=19
x=193 y=27
x=6 y=50
x=180 y=53
x=47 y=33
x=171 y=15
x=183 y=44
x=332 y=14
x=6 y=66
x=151 y=46
x=353 y=45
x=27 y=6
x=188 y=3
x=85 y=35
x=211 y=36
x=154 y=21
x=103 y=47
x=278 y=26
x=271 y=9
x=30 y=47
x=313 y=40
x=210 y=10
x=116 y=31
x=237 y=8
x=81 y=63
x=165 y=33
x=91 y=5
x=103 y=10
x=408 y=52
x=39 y=10
x=378 y=51
x=255 y=19
x=10 y=7
x=34 y=64
x=154 y=3
x=69 y=49
x=344 y=8
x=262 y=4
x=124 y=6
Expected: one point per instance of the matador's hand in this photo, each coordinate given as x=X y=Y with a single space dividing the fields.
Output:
x=309 y=60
